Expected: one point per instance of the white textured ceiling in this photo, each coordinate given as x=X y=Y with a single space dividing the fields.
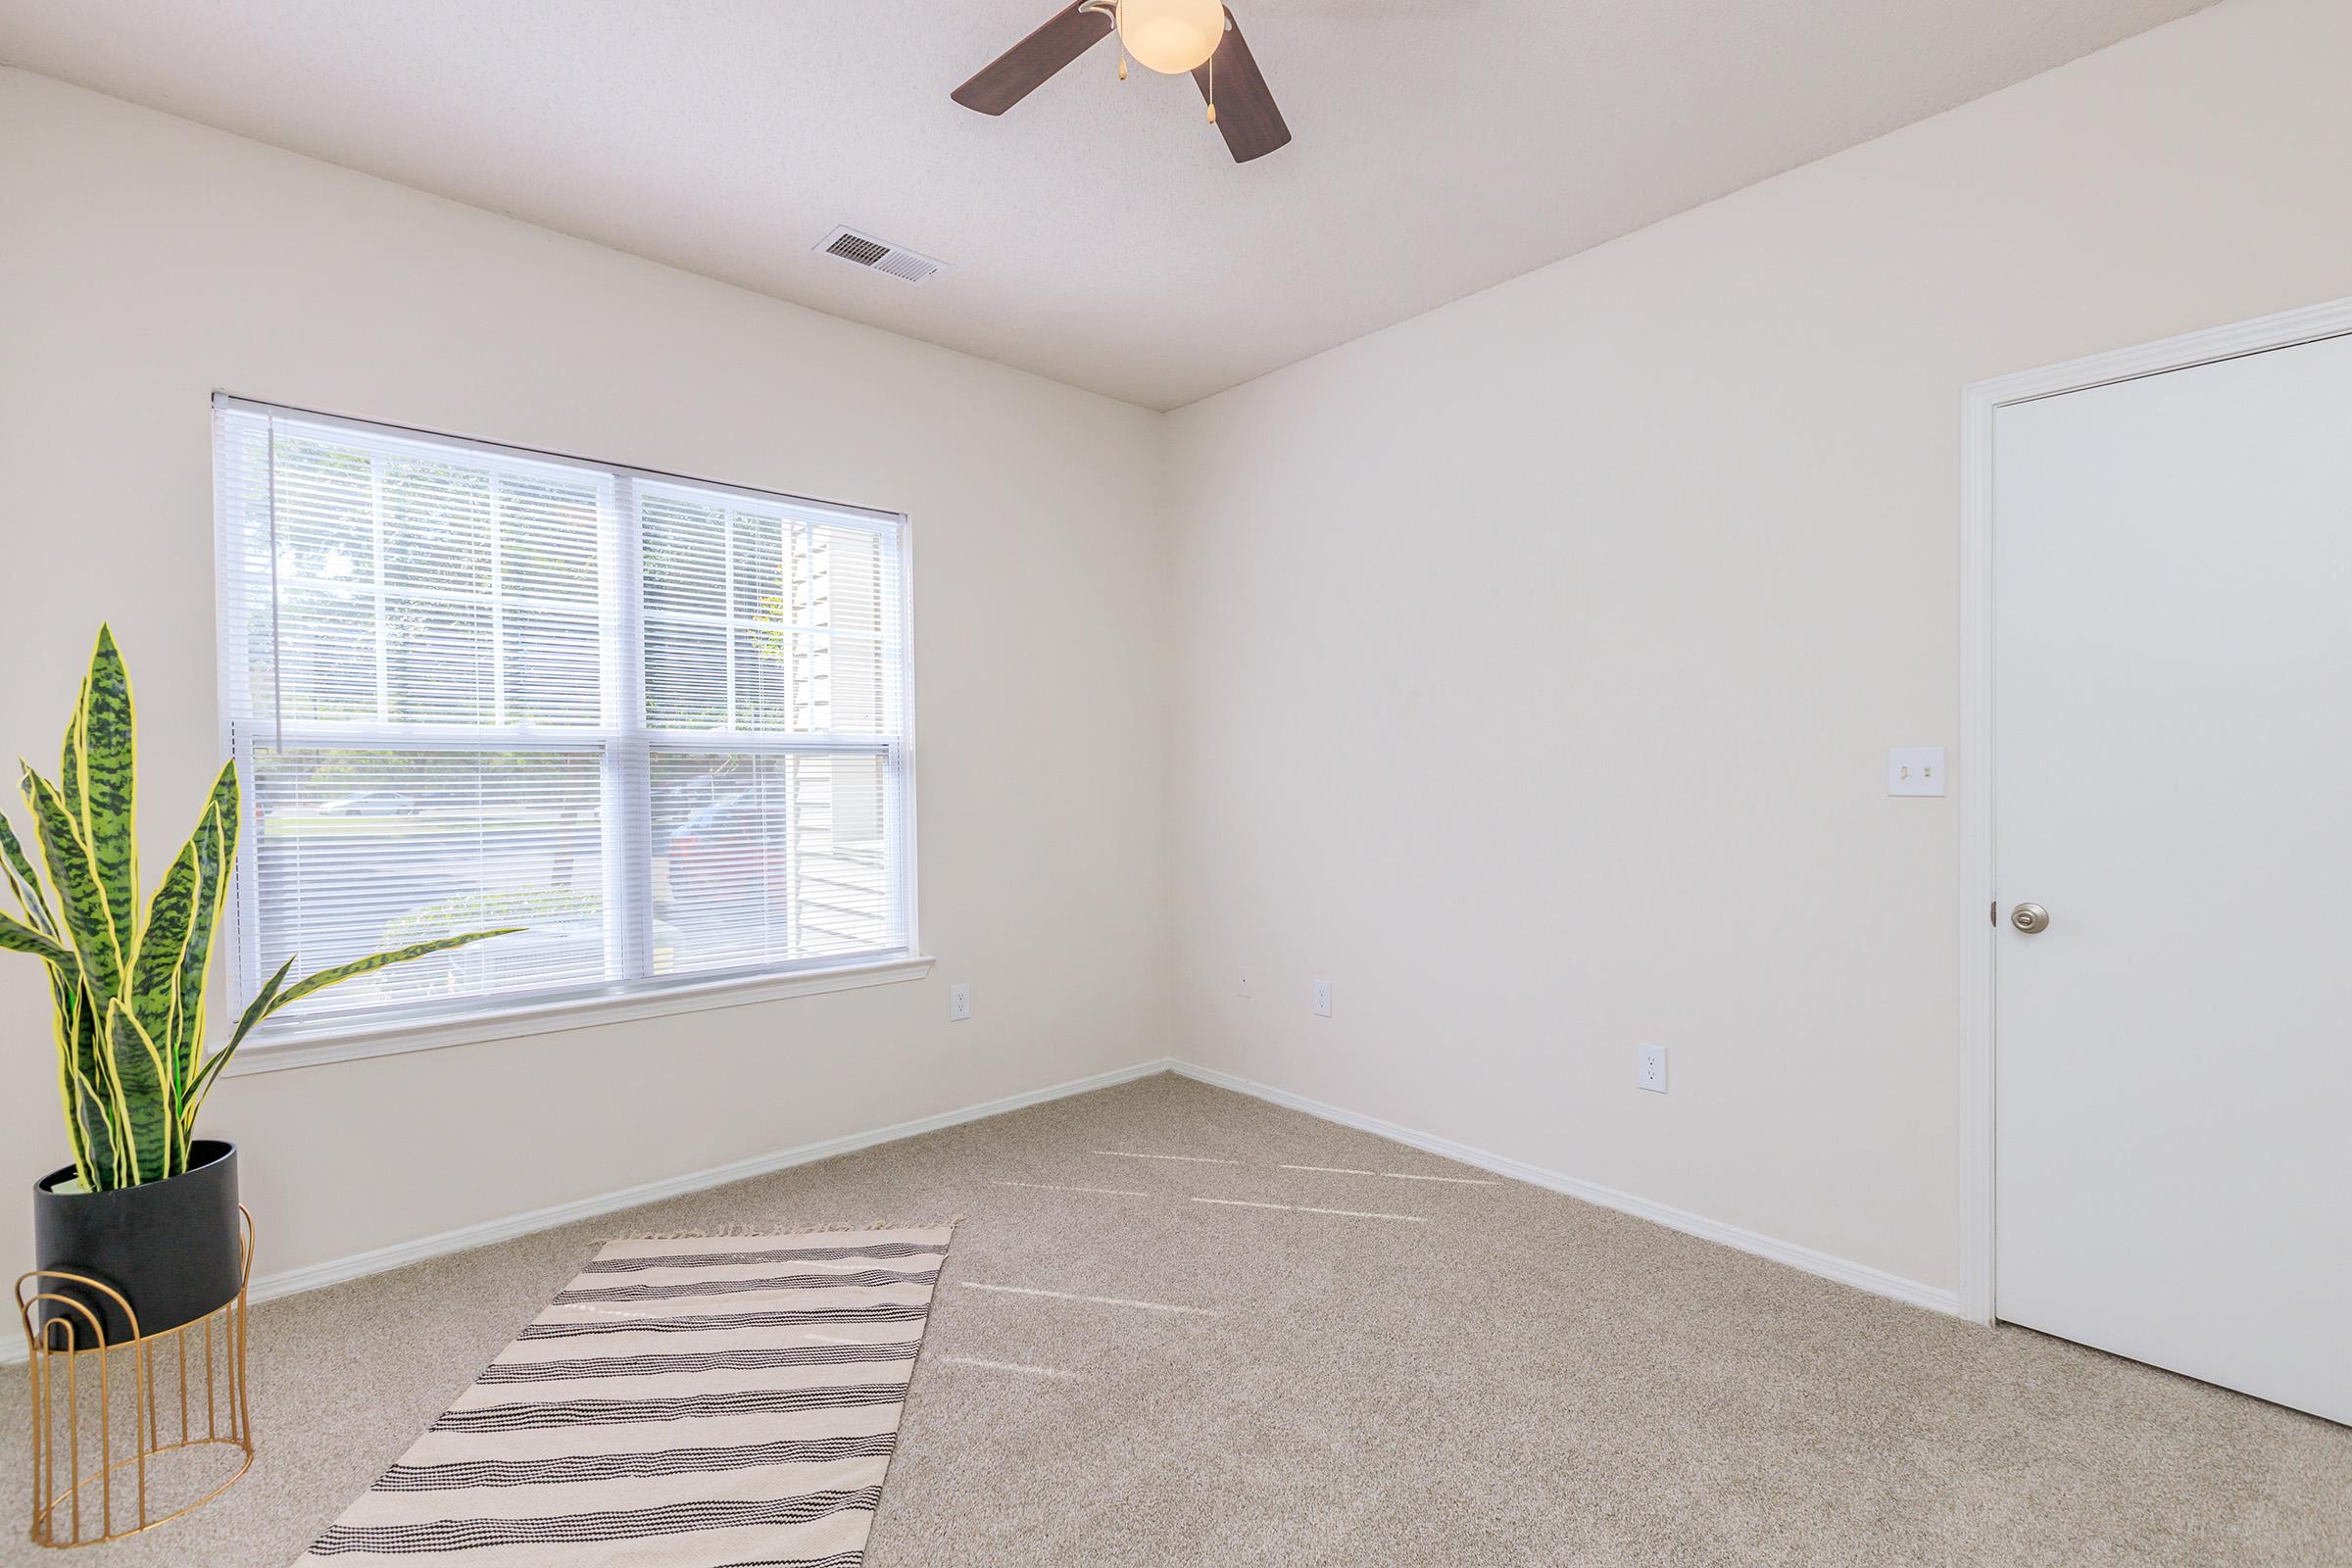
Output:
x=1099 y=233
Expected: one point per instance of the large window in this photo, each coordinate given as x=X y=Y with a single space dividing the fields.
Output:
x=664 y=724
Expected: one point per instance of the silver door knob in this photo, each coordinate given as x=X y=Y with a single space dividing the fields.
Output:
x=2030 y=918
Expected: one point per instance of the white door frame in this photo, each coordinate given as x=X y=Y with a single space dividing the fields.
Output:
x=1978 y=933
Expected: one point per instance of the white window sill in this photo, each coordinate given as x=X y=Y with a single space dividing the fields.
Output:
x=266 y=1052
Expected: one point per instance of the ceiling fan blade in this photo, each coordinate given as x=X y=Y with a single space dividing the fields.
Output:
x=1022 y=69
x=1245 y=111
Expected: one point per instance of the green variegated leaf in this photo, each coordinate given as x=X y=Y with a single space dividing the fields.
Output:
x=225 y=800
x=153 y=990
x=380 y=961
x=75 y=1025
x=255 y=1011
x=69 y=764
x=149 y=1136
x=60 y=1024
x=89 y=1053
x=75 y=879
x=22 y=883
x=109 y=818
x=101 y=1151
x=21 y=938
x=200 y=1088
x=263 y=1002
x=216 y=843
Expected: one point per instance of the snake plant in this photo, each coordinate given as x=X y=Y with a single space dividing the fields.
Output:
x=126 y=985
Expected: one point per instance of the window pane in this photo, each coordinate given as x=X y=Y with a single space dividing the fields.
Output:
x=685 y=676
x=325 y=512
x=760 y=581
x=325 y=644
x=423 y=589
x=548 y=537
x=438 y=668
x=685 y=553
x=436 y=527
x=552 y=667
x=769 y=858
x=771 y=668
x=362 y=850
x=845 y=580
x=759 y=621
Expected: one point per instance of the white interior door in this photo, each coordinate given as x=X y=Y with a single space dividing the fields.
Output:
x=2172 y=714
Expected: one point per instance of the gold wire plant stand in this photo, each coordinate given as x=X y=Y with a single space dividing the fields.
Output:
x=102 y=1464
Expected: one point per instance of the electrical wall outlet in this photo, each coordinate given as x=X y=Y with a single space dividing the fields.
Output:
x=1652 y=1070
x=959 y=1002
x=1248 y=985
x=1319 y=999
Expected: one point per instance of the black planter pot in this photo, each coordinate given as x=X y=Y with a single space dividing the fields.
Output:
x=175 y=1249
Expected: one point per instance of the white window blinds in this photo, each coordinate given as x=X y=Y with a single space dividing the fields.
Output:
x=663 y=724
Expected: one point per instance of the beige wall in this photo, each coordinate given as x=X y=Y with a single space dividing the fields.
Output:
x=1537 y=657
x=145 y=262
x=1525 y=669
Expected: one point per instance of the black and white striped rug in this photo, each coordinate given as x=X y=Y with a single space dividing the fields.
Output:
x=691 y=1403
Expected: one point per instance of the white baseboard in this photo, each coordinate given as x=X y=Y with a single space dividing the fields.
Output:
x=465 y=1237
x=1860 y=1276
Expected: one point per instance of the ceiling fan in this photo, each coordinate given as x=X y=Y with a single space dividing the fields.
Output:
x=1169 y=37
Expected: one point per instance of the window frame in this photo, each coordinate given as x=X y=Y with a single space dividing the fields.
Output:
x=624 y=746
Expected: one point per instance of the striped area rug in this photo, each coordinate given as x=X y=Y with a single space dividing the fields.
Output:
x=698 y=1402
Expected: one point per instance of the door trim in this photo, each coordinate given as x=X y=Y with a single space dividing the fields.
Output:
x=1978 y=400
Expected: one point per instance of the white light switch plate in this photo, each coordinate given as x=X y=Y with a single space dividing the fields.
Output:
x=1915 y=770
x=959 y=1002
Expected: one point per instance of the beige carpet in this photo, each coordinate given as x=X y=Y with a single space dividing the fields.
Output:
x=1513 y=1379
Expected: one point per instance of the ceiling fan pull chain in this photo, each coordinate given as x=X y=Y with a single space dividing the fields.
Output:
x=1212 y=90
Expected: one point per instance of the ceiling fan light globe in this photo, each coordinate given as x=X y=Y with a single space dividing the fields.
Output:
x=1171 y=37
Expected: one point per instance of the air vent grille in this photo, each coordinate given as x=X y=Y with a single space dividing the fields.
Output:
x=857 y=248
x=863 y=250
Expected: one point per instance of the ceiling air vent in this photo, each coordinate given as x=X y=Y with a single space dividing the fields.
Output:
x=876 y=256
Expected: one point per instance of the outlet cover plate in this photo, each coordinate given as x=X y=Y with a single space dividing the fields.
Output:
x=959 y=1002
x=1319 y=999
x=1651 y=1074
